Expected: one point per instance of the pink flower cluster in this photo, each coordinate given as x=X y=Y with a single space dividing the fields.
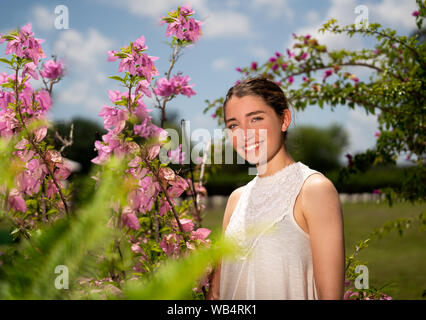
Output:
x=170 y=243
x=176 y=156
x=176 y=85
x=24 y=45
x=134 y=60
x=52 y=70
x=115 y=120
x=32 y=105
x=28 y=181
x=181 y=25
x=35 y=109
x=115 y=117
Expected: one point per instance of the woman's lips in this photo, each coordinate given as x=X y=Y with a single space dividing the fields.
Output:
x=251 y=147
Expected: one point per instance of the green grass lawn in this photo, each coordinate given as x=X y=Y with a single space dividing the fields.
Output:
x=394 y=259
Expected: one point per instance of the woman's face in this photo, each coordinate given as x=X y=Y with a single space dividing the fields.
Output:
x=254 y=128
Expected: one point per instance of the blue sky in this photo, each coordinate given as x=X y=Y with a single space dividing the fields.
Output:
x=236 y=32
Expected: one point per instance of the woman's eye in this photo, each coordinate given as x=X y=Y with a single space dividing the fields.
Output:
x=231 y=126
x=257 y=118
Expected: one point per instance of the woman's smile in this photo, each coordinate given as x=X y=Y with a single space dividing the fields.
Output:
x=253 y=146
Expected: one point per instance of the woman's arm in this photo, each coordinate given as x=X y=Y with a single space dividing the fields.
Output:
x=323 y=213
x=214 y=290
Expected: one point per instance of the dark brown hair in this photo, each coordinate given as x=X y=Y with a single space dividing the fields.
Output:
x=262 y=87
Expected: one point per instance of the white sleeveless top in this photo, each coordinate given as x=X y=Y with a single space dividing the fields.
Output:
x=275 y=258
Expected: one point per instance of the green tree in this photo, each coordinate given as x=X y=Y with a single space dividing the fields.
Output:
x=319 y=148
x=395 y=91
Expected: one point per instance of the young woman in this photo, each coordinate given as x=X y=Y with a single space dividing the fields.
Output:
x=297 y=248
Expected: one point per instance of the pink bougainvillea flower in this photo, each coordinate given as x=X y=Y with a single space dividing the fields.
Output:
x=289 y=53
x=291 y=79
x=16 y=201
x=139 y=44
x=112 y=116
x=182 y=26
x=187 y=224
x=354 y=78
x=4 y=77
x=105 y=147
x=376 y=191
x=198 y=188
x=115 y=95
x=176 y=85
x=171 y=244
x=143 y=129
x=52 y=70
x=181 y=86
x=143 y=86
x=163 y=88
x=284 y=66
x=415 y=13
x=327 y=73
x=178 y=186
x=30 y=68
x=176 y=156
x=62 y=172
x=44 y=100
x=304 y=56
x=159 y=133
x=154 y=151
x=350 y=159
x=40 y=134
x=254 y=65
x=112 y=56
x=164 y=206
x=200 y=234
x=129 y=219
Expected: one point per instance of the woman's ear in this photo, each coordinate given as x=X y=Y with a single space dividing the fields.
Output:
x=285 y=120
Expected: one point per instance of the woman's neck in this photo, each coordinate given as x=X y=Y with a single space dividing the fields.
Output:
x=280 y=160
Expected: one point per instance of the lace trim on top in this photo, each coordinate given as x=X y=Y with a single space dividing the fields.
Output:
x=264 y=202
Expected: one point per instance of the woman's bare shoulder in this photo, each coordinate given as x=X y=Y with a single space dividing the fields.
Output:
x=230 y=206
x=319 y=191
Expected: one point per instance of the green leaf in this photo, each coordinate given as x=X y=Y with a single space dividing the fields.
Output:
x=4 y=60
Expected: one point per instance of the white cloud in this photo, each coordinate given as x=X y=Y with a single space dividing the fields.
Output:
x=394 y=13
x=221 y=63
x=258 y=51
x=80 y=93
x=344 y=12
x=361 y=128
x=228 y=24
x=84 y=56
x=217 y=23
x=83 y=51
x=43 y=18
x=274 y=8
x=312 y=17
